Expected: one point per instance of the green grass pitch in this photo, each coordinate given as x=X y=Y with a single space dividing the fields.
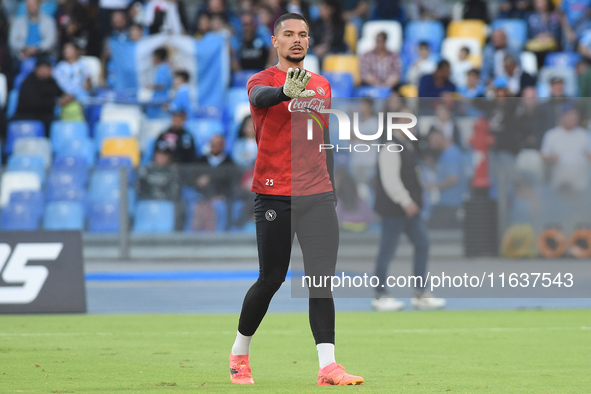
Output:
x=465 y=352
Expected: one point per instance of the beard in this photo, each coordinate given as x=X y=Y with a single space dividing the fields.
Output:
x=295 y=59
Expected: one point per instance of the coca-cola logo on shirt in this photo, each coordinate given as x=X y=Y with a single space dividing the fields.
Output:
x=314 y=104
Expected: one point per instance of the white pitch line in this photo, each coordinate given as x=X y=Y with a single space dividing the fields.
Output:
x=394 y=331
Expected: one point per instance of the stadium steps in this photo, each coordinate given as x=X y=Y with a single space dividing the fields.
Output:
x=215 y=247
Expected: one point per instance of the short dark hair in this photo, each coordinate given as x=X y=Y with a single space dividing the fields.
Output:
x=465 y=49
x=286 y=17
x=424 y=44
x=442 y=64
x=182 y=74
x=383 y=34
x=474 y=71
x=161 y=53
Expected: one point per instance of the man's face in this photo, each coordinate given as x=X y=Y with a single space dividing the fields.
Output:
x=118 y=21
x=570 y=119
x=70 y=53
x=248 y=26
x=33 y=7
x=436 y=142
x=162 y=158
x=43 y=71
x=444 y=72
x=509 y=67
x=292 y=40
x=473 y=79
x=557 y=89
x=499 y=39
x=178 y=120
x=380 y=43
x=217 y=145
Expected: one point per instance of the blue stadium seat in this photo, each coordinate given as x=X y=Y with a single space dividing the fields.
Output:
x=22 y=129
x=75 y=194
x=148 y=152
x=154 y=216
x=240 y=78
x=429 y=31
x=515 y=29
x=19 y=216
x=110 y=129
x=562 y=59
x=81 y=148
x=115 y=163
x=103 y=218
x=33 y=198
x=31 y=163
x=64 y=215
x=373 y=91
x=203 y=129
x=341 y=84
x=222 y=215
x=64 y=179
x=62 y=131
x=104 y=186
x=73 y=164
x=208 y=112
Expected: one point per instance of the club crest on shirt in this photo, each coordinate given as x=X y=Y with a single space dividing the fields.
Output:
x=270 y=215
x=320 y=91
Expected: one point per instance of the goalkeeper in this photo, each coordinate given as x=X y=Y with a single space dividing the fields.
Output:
x=294 y=195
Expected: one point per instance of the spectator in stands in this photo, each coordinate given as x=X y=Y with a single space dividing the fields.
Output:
x=219 y=177
x=300 y=7
x=136 y=32
x=218 y=11
x=450 y=180
x=33 y=33
x=245 y=147
x=552 y=109
x=161 y=180
x=163 y=16
x=182 y=97
x=380 y=67
x=356 y=11
x=203 y=25
x=162 y=83
x=422 y=66
x=437 y=84
x=584 y=44
x=39 y=95
x=476 y=9
x=461 y=68
x=251 y=50
x=73 y=24
x=530 y=120
x=493 y=56
x=544 y=30
x=430 y=10
x=474 y=87
x=445 y=123
x=329 y=31
x=119 y=24
x=566 y=148
x=71 y=74
x=576 y=17
x=517 y=79
x=266 y=17
x=178 y=141
x=517 y=9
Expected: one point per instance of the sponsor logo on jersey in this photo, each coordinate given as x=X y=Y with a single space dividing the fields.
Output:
x=320 y=91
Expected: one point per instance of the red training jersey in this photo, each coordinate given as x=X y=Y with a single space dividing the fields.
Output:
x=287 y=163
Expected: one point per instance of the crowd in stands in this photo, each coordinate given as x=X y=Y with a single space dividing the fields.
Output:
x=466 y=59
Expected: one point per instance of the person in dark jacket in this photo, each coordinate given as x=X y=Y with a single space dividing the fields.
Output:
x=178 y=140
x=329 y=31
x=398 y=202
x=39 y=94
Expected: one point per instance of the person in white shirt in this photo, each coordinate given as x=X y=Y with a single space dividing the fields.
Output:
x=71 y=74
x=566 y=148
x=425 y=64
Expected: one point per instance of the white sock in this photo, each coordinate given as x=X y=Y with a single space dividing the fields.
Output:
x=241 y=344
x=325 y=354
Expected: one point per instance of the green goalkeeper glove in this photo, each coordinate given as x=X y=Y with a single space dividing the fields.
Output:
x=295 y=83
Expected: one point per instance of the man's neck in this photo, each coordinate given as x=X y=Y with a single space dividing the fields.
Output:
x=284 y=64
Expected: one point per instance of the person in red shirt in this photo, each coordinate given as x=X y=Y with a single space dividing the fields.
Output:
x=294 y=195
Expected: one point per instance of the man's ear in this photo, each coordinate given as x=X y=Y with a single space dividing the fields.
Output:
x=274 y=41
